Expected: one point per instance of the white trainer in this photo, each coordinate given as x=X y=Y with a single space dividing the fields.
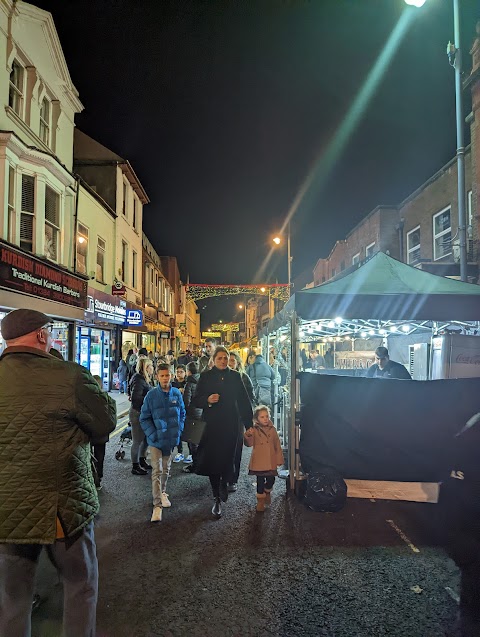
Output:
x=165 y=501
x=156 y=515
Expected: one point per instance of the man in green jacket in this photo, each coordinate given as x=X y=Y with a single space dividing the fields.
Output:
x=50 y=412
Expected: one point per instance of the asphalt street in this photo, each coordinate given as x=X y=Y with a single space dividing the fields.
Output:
x=373 y=569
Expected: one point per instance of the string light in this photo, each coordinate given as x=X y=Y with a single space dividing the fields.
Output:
x=199 y=291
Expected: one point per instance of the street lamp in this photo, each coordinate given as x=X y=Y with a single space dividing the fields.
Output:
x=455 y=59
x=277 y=240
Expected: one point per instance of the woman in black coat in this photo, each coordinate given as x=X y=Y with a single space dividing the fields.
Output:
x=225 y=403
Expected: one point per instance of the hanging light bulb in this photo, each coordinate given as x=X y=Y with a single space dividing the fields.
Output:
x=331 y=324
x=393 y=328
x=371 y=332
x=338 y=320
x=406 y=328
x=363 y=335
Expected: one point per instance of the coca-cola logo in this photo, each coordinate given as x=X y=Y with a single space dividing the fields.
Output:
x=468 y=359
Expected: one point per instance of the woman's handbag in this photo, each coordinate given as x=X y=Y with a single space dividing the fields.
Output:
x=193 y=431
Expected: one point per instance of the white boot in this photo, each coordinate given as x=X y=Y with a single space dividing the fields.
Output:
x=156 y=515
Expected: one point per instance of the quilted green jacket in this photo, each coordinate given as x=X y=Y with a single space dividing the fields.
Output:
x=50 y=410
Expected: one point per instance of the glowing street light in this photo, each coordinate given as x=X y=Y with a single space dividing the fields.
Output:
x=455 y=59
x=277 y=240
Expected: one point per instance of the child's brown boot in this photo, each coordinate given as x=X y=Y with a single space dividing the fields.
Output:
x=261 y=502
x=268 y=499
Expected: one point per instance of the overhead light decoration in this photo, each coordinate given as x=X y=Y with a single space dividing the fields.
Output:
x=363 y=334
x=338 y=320
x=394 y=328
x=405 y=328
x=331 y=325
x=382 y=332
x=371 y=332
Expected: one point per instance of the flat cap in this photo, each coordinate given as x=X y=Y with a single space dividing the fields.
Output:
x=20 y=322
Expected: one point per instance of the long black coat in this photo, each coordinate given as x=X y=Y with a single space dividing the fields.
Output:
x=216 y=452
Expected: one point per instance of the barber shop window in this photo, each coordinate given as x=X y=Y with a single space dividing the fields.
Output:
x=442 y=234
x=413 y=246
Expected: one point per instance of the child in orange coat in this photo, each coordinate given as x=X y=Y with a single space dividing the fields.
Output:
x=266 y=455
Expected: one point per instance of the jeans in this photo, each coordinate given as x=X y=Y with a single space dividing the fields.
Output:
x=160 y=473
x=76 y=563
x=265 y=482
x=123 y=386
x=139 y=442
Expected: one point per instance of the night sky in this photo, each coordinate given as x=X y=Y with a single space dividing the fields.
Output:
x=223 y=108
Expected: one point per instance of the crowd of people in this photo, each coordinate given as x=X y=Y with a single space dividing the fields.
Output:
x=52 y=446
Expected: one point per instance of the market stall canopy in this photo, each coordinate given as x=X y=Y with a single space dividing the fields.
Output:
x=385 y=289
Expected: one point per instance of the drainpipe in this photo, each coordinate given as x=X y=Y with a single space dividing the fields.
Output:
x=75 y=222
x=399 y=228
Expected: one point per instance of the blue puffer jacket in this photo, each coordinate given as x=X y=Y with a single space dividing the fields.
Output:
x=162 y=418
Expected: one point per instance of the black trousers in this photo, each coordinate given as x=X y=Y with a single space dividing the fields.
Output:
x=99 y=453
x=265 y=482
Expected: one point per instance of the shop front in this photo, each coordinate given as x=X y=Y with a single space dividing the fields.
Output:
x=98 y=338
x=134 y=330
x=31 y=283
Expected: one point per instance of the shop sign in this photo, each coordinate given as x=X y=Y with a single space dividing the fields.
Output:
x=118 y=289
x=105 y=308
x=28 y=275
x=211 y=334
x=134 y=318
x=164 y=334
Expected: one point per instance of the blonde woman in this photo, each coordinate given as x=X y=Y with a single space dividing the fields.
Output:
x=140 y=384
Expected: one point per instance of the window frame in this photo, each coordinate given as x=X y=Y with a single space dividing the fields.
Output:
x=134 y=269
x=442 y=233
x=125 y=198
x=417 y=247
x=367 y=248
x=11 y=208
x=29 y=214
x=100 y=250
x=19 y=91
x=55 y=228
x=85 y=234
x=45 y=124
x=356 y=258
x=124 y=261
x=135 y=213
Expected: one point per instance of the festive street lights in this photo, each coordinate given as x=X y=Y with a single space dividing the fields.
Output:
x=455 y=59
x=277 y=240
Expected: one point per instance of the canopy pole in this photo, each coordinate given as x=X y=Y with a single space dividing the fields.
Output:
x=294 y=396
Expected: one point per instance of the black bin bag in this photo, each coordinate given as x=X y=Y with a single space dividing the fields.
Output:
x=326 y=490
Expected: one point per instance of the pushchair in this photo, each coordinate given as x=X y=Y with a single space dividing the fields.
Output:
x=124 y=441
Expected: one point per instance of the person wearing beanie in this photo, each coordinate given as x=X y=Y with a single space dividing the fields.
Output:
x=47 y=491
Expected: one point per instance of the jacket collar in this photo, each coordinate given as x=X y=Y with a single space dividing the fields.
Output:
x=22 y=349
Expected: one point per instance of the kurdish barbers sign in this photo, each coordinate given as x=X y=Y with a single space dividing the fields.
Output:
x=28 y=275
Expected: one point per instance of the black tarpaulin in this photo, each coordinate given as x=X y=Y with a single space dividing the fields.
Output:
x=376 y=429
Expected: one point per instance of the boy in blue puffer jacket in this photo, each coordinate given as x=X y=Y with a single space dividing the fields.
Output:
x=162 y=418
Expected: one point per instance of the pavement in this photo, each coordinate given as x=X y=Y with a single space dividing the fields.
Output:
x=371 y=570
x=123 y=404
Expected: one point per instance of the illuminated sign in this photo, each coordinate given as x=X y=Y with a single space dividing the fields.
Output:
x=225 y=327
x=134 y=318
x=26 y=274
x=211 y=334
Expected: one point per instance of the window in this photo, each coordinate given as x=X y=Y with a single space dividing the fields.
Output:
x=52 y=223
x=12 y=220
x=442 y=234
x=27 y=214
x=334 y=272
x=123 y=272
x=135 y=213
x=356 y=259
x=369 y=250
x=45 y=121
x=134 y=269
x=124 y=203
x=342 y=266
x=15 y=95
x=155 y=290
x=413 y=246
x=100 y=273
x=82 y=248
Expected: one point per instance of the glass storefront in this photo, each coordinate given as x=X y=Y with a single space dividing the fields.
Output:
x=59 y=337
x=148 y=341
x=93 y=352
x=129 y=341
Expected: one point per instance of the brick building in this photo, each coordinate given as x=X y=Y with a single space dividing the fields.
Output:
x=422 y=230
